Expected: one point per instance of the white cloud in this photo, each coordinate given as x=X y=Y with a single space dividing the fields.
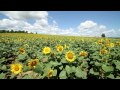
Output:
x=87 y=24
x=13 y=24
x=90 y=28
x=112 y=33
x=102 y=27
x=22 y=15
x=41 y=22
x=17 y=20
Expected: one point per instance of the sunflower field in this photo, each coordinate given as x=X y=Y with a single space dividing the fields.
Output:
x=37 y=56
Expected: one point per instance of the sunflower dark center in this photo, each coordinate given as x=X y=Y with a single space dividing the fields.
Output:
x=33 y=63
x=16 y=68
x=70 y=55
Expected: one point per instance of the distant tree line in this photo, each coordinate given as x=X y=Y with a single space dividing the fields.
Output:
x=12 y=31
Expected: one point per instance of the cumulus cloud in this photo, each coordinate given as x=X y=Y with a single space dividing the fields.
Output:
x=87 y=25
x=22 y=15
x=90 y=28
x=13 y=24
x=17 y=20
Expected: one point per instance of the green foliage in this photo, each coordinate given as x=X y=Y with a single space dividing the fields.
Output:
x=62 y=75
x=92 y=65
x=93 y=72
x=55 y=72
x=111 y=76
x=2 y=76
x=38 y=69
x=22 y=57
x=68 y=69
x=117 y=63
x=107 y=68
x=80 y=74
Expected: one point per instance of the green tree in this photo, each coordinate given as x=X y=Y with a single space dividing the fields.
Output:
x=103 y=35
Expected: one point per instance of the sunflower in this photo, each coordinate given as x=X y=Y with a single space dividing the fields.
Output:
x=107 y=42
x=50 y=73
x=117 y=43
x=32 y=63
x=46 y=50
x=83 y=53
x=16 y=68
x=70 y=56
x=112 y=45
x=100 y=41
x=59 y=48
x=103 y=51
x=22 y=50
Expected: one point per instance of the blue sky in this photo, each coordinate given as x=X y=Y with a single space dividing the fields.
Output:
x=81 y=23
x=66 y=19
